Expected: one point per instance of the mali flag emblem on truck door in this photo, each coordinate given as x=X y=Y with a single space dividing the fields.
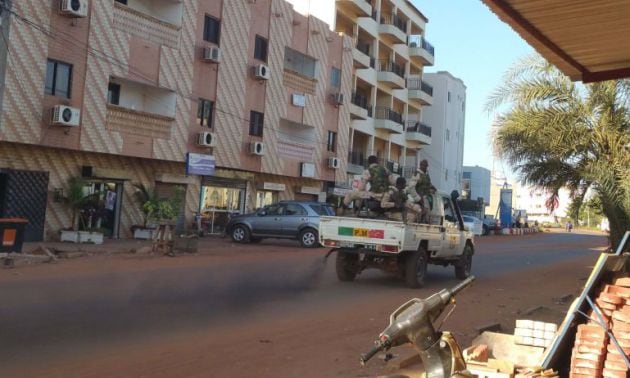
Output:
x=361 y=232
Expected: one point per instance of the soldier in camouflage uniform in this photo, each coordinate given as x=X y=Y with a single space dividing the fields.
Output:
x=378 y=179
x=421 y=191
x=395 y=201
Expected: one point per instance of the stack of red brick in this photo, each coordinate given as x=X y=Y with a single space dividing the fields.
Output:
x=594 y=355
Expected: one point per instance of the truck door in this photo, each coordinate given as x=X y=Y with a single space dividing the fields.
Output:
x=451 y=240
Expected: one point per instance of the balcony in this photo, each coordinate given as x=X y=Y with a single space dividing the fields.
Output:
x=393 y=29
x=361 y=55
x=357 y=161
x=161 y=26
x=138 y=122
x=420 y=91
x=369 y=24
x=418 y=132
x=391 y=73
x=356 y=8
x=388 y=119
x=359 y=108
x=421 y=50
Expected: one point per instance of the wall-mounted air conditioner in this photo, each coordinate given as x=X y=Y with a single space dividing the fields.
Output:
x=207 y=139
x=74 y=8
x=212 y=54
x=257 y=148
x=262 y=72
x=334 y=163
x=65 y=116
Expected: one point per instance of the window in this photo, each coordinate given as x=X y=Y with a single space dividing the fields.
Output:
x=449 y=215
x=113 y=94
x=446 y=175
x=448 y=135
x=256 y=121
x=260 y=48
x=449 y=96
x=274 y=209
x=294 y=209
x=332 y=141
x=322 y=209
x=335 y=77
x=299 y=63
x=265 y=198
x=58 y=78
x=211 y=30
x=205 y=112
x=466 y=175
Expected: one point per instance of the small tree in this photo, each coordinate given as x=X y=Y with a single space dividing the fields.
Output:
x=148 y=201
x=168 y=209
x=75 y=198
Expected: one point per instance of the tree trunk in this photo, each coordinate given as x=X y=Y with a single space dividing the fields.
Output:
x=618 y=221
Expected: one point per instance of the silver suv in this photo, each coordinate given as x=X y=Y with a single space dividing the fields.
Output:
x=285 y=220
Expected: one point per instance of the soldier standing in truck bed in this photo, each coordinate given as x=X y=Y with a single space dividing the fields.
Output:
x=374 y=183
x=421 y=191
x=395 y=202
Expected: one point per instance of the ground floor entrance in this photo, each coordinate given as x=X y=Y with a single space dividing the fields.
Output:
x=221 y=198
x=102 y=208
x=23 y=194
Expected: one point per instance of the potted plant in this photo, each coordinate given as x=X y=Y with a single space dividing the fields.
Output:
x=148 y=201
x=77 y=200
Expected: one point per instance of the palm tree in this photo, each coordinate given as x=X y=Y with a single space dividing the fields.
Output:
x=148 y=201
x=556 y=133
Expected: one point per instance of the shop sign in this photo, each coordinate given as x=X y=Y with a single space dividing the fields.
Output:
x=310 y=190
x=200 y=164
x=340 y=191
x=307 y=170
x=273 y=186
x=298 y=99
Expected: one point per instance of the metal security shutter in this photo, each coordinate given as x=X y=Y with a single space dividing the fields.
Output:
x=25 y=196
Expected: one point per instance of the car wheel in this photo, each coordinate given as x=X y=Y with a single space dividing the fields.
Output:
x=240 y=234
x=309 y=238
x=464 y=265
x=416 y=268
x=346 y=266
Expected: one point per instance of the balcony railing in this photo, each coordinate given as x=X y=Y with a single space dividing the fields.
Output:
x=419 y=41
x=359 y=100
x=374 y=15
x=364 y=47
x=388 y=114
x=394 y=20
x=417 y=84
x=418 y=127
x=357 y=158
x=389 y=66
x=145 y=26
x=138 y=122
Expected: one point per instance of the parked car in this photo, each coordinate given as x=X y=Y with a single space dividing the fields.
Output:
x=284 y=220
x=490 y=224
x=474 y=224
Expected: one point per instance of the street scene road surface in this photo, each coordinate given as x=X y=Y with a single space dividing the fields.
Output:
x=267 y=310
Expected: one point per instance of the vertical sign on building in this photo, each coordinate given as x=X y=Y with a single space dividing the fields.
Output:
x=505 y=207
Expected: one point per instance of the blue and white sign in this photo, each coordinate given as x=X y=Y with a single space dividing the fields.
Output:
x=200 y=164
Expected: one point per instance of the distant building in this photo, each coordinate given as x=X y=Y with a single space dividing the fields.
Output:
x=476 y=183
x=447 y=118
x=534 y=199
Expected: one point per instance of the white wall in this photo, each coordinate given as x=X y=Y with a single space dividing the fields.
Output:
x=144 y=98
x=447 y=119
x=479 y=182
x=166 y=10
x=322 y=9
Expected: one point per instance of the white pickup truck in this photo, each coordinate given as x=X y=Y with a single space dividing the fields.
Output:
x=398 y=247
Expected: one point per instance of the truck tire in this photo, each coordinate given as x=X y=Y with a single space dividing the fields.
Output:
x=240 y=234
x=416 y=268
x=346 y=266
x=464 y=265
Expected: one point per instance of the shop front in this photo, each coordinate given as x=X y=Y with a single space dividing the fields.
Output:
x=310 y=193
x=221 y=198
x=267 y=193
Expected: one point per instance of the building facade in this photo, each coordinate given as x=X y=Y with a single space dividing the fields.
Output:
x=447 y=118
x=120 y=92
x=476 y=183
x=389 y=53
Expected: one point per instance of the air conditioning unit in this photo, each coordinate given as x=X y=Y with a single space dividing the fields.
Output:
x=334 y=163
x=337 y=98
x=74 y=8
x=207 y=139
x=257 y=148
x=65 y=116
x=262 y=72
x=212 y=54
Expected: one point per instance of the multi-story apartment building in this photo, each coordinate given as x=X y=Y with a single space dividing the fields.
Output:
x=447 y=118
x=476 y=183
x=389 y=54
x=120 y=92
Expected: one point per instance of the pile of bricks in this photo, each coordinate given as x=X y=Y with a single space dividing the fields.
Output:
x=594 y=354
x=539 y=334
x=480 y=363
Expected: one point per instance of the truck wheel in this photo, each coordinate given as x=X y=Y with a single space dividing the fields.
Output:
x=346 y=266
x=464 y=265
x=309 y=238
x=240 y=234
x=416 y=268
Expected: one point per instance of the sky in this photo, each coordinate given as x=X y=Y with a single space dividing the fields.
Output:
x=474 y=45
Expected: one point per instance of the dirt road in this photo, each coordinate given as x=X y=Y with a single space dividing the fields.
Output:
x=269 y=310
